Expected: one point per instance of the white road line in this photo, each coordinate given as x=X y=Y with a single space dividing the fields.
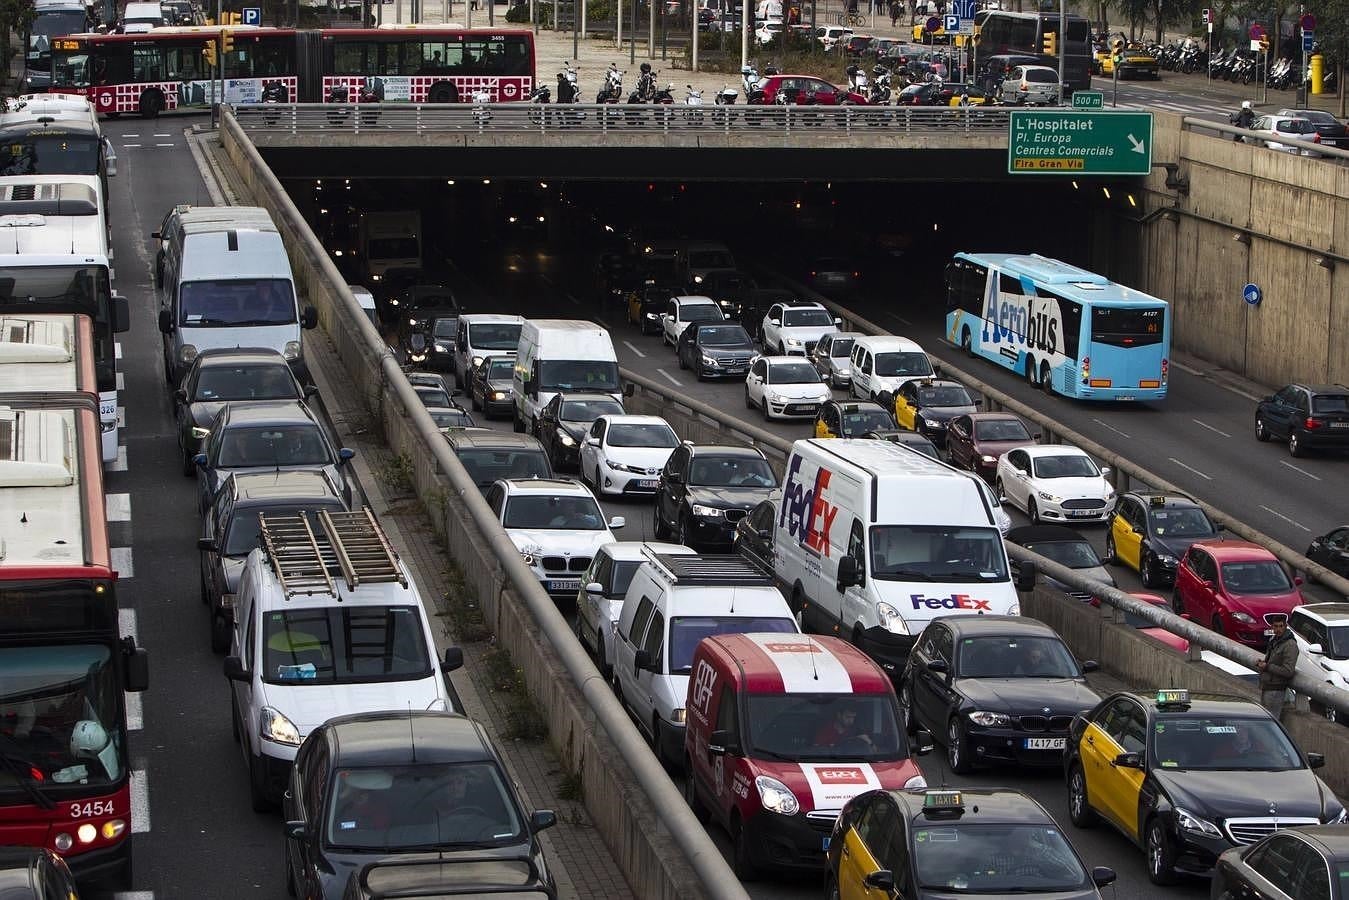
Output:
x=119 y=464
x=135 y=716
x=140 y=802
x=134 y=895
x=670 y=378
x=121 y=562
x=118 y=507
x=117 y=348
x=1190 y=468
x=163 y=145
x=163 y=135
x=121 y=417
x=1211 y=428
x=1299 y=470
x=1286 y=519
x=629 y=345
x=1110 y=427
x=112 y=273
x=121 y=381
x=901 y=320
x=130 y=146
x=131 y=135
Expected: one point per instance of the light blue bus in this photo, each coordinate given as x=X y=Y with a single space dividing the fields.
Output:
x=1067 y=330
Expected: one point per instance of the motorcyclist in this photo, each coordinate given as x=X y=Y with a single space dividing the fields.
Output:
x=646 y=84
x=1244 y=118
x=566 y=91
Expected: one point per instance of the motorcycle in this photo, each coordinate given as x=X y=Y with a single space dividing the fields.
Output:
x=482 y=109
x=880 y=87
x=693 y=100
x=857 y=80
x=416 y=348
x=753 y=84
x=274 y=92
x=568 y=84
x=612 y=92
x=726 y=96
x=646 y=89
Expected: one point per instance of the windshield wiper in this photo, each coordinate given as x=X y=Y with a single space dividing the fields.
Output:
x=20 y=768
x=913 y=574
x=774 y=755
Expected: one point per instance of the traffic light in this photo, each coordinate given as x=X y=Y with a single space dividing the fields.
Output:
x=1264 y=45
x=226 y=40
x=208 y=53
x=1051 y=43
x=1117 y=49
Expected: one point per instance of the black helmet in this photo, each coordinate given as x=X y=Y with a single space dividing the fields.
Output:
x=646 y=67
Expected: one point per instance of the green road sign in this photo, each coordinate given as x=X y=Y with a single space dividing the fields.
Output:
x=1088 y=100
x=1061 y=142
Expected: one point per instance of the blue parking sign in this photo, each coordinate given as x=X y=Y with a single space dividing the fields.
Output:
x=252 y=15
x=951 y=24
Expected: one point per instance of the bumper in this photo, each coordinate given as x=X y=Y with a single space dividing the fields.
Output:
x=1196 y=854
x=670 y=739
x=793 y=409
x=561 y=585
x=708 y=530
x=441 y=362
x=1138 y=70
x=934 y=433
x=839 y=379
x=723 y=371
x=107 y=866
x=1005 y=745
x=1056 y=513
x=889 y=650
x=493 y=408
x=569 y=457
x=1325 y=438
x=614 y=481
x=276 y=769
x=788 y=842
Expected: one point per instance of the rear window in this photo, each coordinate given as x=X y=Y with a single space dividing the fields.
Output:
x=1330 y=403
x=485 y=466
x=1040 y=76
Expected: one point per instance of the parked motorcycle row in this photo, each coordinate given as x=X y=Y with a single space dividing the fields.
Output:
x=1236 y=64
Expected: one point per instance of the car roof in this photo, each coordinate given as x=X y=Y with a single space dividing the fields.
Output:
x=632 y=419
x=935 y=382
x=547 y=486
x=254 y=488
x=1329 y=613
x=406 y=738
x=268 y=412
x=694 y=300
x=724 y=450
x=801 y=304
x=879 y=343
x=854 y=406
x=586 y=395
x=634 y=551
x=1333 y=840
x=1043 y=534
x=1169 y=499
x=1202 y=704
x=491 y=438
x=229 y=356
x=1234 y=550
x=995 y=416
x=1003 y=806
x=976 y=625
x=1053 y=450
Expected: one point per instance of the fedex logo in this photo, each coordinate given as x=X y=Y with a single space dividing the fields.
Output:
x=700 y=691
x=807 y=515
x=841 y=775
x=955 y=601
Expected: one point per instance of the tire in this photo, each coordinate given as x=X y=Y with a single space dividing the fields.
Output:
x=257 y=786
x=683 y=366
x=473 y=399
x=442 y=92
x=1177 y=603
x=1033 y=511
x=700 y=812
x=1002 y=492
x=741 y=861
x=967 y=342
x=1295 y=447
x=1079 y=810
x=831 y=888
x=205 y=593
x=682 y=531
x=1217 y=624
x=151 y=104
x=957 y=748
x=599 y=492
x=1111 y=555
x=749 y=404
x=1161 y=857
x=234 y=724
x=1031 y=373
x=782 y=349
x=906 y=701
x=517 y=423
x=1147 y=564
x=658 y=527
x=220 y=632
x=1046 y=379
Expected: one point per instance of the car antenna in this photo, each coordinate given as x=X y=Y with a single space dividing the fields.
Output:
x=810 y=642
x=412 y=733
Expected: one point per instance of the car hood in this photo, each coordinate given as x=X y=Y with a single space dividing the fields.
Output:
x=944 y=413
x=499 y=384
x=1086 y=893
x=1176 y=546
x=575 y=429
x=1100 y=573
x=650 y=458
x=203 y=414
x=805 y=332
x=1093 y=487
x=826 y=785
x=728 y=497
x=1260 y=605
x=1028 y=696
x=799 y=391
x=310 y=705
x=216 y=477
x=728 y=351
x=560 y=541
x=1227 y=794
x=998 y=448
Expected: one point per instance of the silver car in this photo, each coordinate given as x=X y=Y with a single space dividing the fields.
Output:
x=831 y=358
x=1291 y=134
x=1030 y=85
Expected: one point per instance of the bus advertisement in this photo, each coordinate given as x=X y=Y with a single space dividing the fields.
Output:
x=1067 y=330
x=65 y=781
x=1003 y=32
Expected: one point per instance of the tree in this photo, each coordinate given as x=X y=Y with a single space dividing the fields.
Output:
x=15 y=16
x=1332 y=32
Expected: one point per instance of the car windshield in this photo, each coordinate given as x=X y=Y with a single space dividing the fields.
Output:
x=1330 y=403
x=856 y=424
x=578 y=375
x=429 y=805
x=222 y=383
x=724 y=336
x=589 y=410
x=1180 y=522
x=1222 y=743
x=969 y=858
x=486 y=465
x=793 y=373
x=1014 y=656
x=802 y=727
x=840 y=347
x=806 y=318
x=950 y=395
x=1000 y=430
x=700 y=312
x=888 y=365
x=649 y=434
x=1260 y=576
x=1073 y=554
x=687 y=631
x=570 y=513
x=494 y=335
x=500 y=369
x=731 y=471
x=433 y=397
x=452 y=418
x=937 y=553
x=1314 y=115
x=1067 y=465
x=236 y=302
x=244 y=530
x=343 y=645
x=276 y=445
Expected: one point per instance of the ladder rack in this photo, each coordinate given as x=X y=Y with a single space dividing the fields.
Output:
x=351 y=543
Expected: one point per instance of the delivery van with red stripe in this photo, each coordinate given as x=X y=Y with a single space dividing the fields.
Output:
x=782 y=730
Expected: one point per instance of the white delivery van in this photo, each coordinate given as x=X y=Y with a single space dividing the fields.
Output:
x=139 y=18
x=479 y=335
x=874 y=539
x=389 y=240
x=559 y=356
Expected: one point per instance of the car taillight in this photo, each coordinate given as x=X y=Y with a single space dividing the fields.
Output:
x=1312 y=424
x=1316 y=137
x=1166 y=369
x=1086 y=369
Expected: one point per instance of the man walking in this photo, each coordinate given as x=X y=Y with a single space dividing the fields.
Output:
x=1277 y=668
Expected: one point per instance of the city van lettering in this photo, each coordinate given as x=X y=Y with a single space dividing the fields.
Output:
x=704 y=680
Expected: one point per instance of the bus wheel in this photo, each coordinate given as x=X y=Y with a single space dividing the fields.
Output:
x=967 y=342
x=1046 y=379
x=442 y=92
x=152 y=103
x=1031 y=372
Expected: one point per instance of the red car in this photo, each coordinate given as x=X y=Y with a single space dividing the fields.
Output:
x=1156 y=632
x=807 y=89
x=1231 y=586
x=976 y=440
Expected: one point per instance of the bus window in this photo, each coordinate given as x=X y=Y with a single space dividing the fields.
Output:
x=148 y=62
x=516 y=58
x=1071 y=315
x=1009 y=284
x=184 y=63
x=1021 y=33
x=353 y=58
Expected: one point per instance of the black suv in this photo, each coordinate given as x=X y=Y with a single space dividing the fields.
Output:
x=489 y=455
x=1307 y=416
x=731 y=288
x=715 y=350
x=705 y=490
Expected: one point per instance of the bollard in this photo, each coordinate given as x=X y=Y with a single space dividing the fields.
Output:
x=1318 y=73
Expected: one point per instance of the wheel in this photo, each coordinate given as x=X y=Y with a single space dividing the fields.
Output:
x=1046 y=379
x=683 y=366
x=1031 y=372
x=1177 y=603
x=517 y=423
x=967 y=342
x=257 y=785
x=1147 y=569
x=1033 y=511
x=596 y=483
x=1002 y=493
x=658 y=527
x=957 y=748
x=220 y=632
x=1110 y=555
x=1295 y=447
x=442 y=92
x=831 y=888
x=473 y=399
x=741 y=861
x=699 y=811
x=205 y=592
x=682 y=531
x=749 y=404
x=782 y=349
x=1217 y=624
x=1079 y=810
x=1161 y=856
x=656 y=741
x=152 y=103
x=764 y=408
x=906 y=701
x=234 y=724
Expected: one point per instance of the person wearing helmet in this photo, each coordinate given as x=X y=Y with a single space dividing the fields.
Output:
x=89 y=740
x=1244 y=118
x=646 y=84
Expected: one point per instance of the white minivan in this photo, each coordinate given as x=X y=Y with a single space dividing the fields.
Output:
x=881 y=363
x=874 y=539
x=479 y=335
x=559 y=356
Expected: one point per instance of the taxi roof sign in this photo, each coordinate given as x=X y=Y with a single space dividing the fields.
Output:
x=1173 y=697
x=943 y=800
x=1158 y=500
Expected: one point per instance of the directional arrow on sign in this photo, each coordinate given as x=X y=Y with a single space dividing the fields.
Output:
x=1138 y=145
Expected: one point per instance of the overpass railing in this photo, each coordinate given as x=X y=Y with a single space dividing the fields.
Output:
x=627 y=118
x=1195 y=123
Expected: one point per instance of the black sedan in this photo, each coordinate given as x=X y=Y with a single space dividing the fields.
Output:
x=564 y=422
x=1294 y=862
x=927 y=406
x=908 y=439
x=997 y=689
x=223 y=375
x=1307 y=416
x=379 y=799
x=1065 y=547
x=491 y=386
x=646 y=305
x=715 y=350
x=731 y=288
x=703 y=491
x=1332 y=550
x=940 y=93
x=1332 y=131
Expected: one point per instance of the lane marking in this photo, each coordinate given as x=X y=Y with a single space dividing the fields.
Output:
x=121 y=417
x=118 y=465
x=1299 y=470
x=1190 y=468
x=120 y=557
x=135 y=715
x=1286 y=519
x=673 y=380
x=1211 y=428
x=118 y=507
x=629 y=345
x=1108 y=427
x=117 y=348
x=134 y=895
x=163 y=145
x=162 y=135
x=121 y=382
x=140 y=802
x=131 y=135
x=130 y=146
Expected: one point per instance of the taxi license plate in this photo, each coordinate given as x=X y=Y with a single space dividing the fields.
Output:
x=1084 y=512
x=1045 y=743
x=648 y=484
x=564 y=585
x=825 y=848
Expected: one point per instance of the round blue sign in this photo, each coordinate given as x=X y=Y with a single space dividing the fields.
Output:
x=1251 y=294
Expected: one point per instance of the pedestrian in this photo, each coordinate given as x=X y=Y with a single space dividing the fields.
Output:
x=894 y=13
x=1277 y=668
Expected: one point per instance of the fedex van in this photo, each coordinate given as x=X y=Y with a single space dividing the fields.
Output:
x=783 y=730
x=557 y=356
x=873 y=539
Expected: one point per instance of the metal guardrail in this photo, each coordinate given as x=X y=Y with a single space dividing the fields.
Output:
x=627 y=118
x=1193 y=123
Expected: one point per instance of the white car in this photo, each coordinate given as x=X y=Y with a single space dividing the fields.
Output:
x=599 y=602
x=1322 y=634
x=1055 y=483
x=680 y=311
x=769 y=30
x=793 y=329
x=829 y=36
x=880 y=364
x=623 y=454
x=785 y=387
x=1291 y=134
x=556 y=524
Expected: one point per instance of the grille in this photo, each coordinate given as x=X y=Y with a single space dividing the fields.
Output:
x=1084 y=504
x=801 y=409
x=1045 y=723
x=1248 y=831
x=579 y=563
x=822 y=820
x=555 y=564
x=810 y=345
x=735 y=515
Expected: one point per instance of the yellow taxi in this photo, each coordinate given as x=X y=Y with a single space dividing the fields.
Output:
x=851 y=419
x=1151 y=530
x=926 y=405
x=921 y=844
x=1135 y=62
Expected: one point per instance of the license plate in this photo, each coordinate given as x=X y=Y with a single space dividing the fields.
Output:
x=1084 y=513
x=648 y=483
x=564 y=585
x=1045 y=743
x=825 y=848
x=1339 y=424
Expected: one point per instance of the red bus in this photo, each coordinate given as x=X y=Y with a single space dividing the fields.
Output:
x=65 y=780
x=165 y=70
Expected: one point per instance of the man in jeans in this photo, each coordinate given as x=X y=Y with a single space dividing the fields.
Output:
x=1278 y=666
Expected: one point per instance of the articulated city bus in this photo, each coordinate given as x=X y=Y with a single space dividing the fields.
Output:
x=1069 y=331
x=165 y=69
x=65 y=781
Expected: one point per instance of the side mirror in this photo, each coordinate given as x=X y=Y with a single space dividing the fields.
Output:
x=235 y=671
x=1090 y=665
x=137 y=676
x=310 y=390
x=454 y=659
x=595 y=588
x=1316 y=760
x=1102 y=876
x=121 y=313
x=592 y=441
x=849 y=572
x=345 y=454
x=617 y=522
x=165 y=322
x=1297 y=580
x=296 y=831
x=629 y=389
x=722 y=742
x=1127 y=761
x=774 y=321
x=838 y=322
x=1036 y=437
x=180 y=395
x=978 y=402
x=540 y=819
x=199 y=459
x=310 y=318
x=1105 y=470
x=1025 y=576
x=937 y=666
x=155 y=235
x=1315 y=648
x=206 y=544
x=936 y=370
x=641 y=662
x=881 y=880
x=923 y=743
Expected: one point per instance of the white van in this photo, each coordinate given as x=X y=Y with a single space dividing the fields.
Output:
x=390 y=240
x=139 y=18
x=560 y=355
x=674 y=602
x=874 y=539
x=366 y=301
x=881 y=363
x=480 y=335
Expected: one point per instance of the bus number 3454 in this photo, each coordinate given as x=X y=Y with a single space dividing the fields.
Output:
x=92 y=808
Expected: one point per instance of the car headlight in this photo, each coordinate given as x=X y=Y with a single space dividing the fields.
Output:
x=1052 y=498
x=989 y=459
x=1188 y=821
x=187 y=353
x=477 y=361
x=775 y=797
x=443 y=347
x=527 y=557
x=988 y=719
x=1014 y=609
x=651 y=315
x=708 y=361
x=916 y=783
x=502 y=395
x=1342 y=818
x=200 y=434
x=380 y=278
x=276 y=727
x=1244 y=618
x=891 y=619
x=793 y=342
x=707 y=511
x=618 y=466
x=292 y=350
x=566 y=439
x=1166 y=559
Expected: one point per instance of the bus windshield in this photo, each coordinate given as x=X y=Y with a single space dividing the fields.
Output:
x=40 y=154
x=48 y=25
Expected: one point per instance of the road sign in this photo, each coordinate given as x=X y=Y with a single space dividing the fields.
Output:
x=1058 y=142
x=1208 y=15
x=1308 y=22
x=1257 y=31
x=1088 y=100
x=932 y=24
x=1308 y=40
x=963 y=8
x=951 y=24
x=1252 y=295
x=252 y=15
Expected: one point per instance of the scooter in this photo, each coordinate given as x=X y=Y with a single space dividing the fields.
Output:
x=857 y=80
x=726 y=96
x=749 y=77
x=482 y=110
x=880 y=87
x=694 y=101
x=612 y=92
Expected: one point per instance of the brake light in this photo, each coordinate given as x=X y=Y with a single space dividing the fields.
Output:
x=1312 y=424
x=1086 y=370
x=856 y=274
x=1166 y=369
x=1316 y=137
